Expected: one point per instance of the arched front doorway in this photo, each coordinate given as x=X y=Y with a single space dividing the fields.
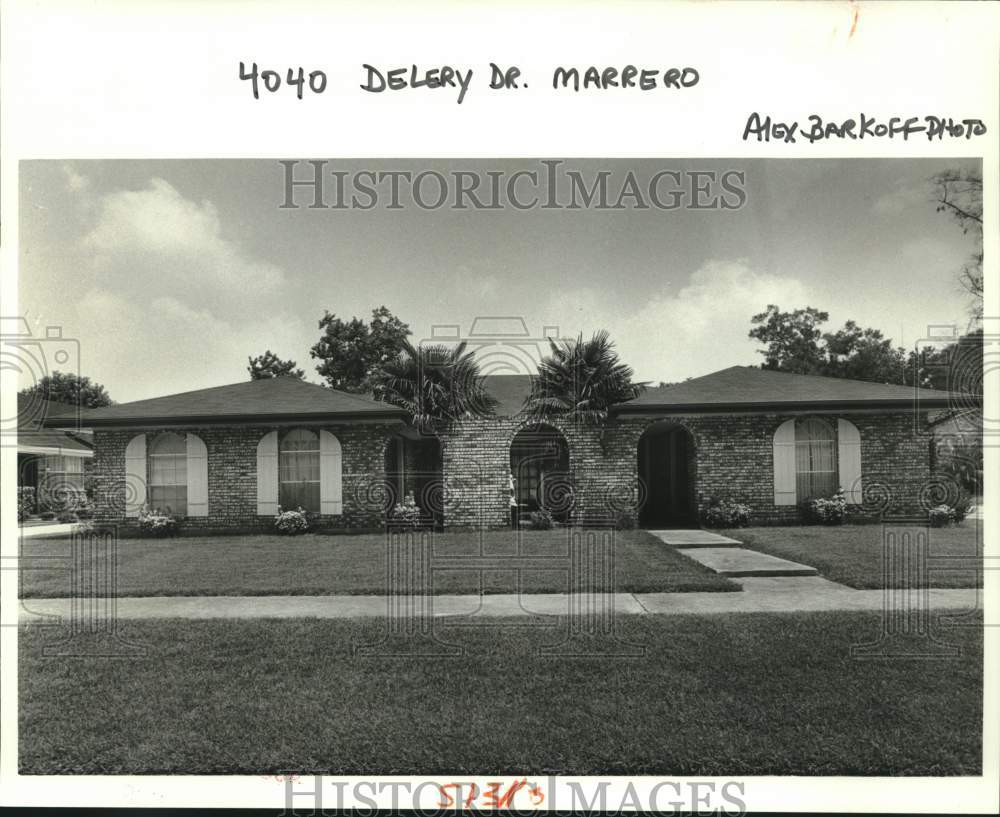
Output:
x=667 y=471
x=539 y=463
x=413 y=467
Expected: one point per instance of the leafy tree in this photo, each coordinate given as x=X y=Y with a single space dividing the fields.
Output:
x=582 y=380
x=434 y=383
x=268 y=365
x=863 y=354
x=792 y=338
x=69 y=388
x=351 y=351
x=796 y=343
x=959 y=193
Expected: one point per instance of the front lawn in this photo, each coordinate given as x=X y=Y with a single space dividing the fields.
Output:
x=763 y=694
x=852 y=554
x=356 y=565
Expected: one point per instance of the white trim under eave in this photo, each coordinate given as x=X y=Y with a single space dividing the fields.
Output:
x=54 y=451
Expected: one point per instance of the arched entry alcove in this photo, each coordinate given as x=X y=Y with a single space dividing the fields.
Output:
x=413 y=465
x=539 y=463
x=667 y=470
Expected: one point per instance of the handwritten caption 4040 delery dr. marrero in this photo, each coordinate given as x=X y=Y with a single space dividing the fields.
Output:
x=302 y=82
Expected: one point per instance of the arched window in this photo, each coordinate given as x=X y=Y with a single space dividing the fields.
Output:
x=167 y=463
x=815 y=459
x=298 y=470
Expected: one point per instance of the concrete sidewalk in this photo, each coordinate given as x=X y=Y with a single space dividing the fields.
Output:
x=777 y=595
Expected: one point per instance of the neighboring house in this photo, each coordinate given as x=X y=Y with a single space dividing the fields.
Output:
x=53 y=453
x=228 y=457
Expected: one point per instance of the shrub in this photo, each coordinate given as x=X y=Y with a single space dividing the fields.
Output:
x=626 y=520
x=66 y=517
x=85 y=512
x=723 y=513
x=940 y=516
x=542 y=520
x=25 y=502
x=405 y=514
x=47 y=515
x=154 y=522
x=829 y=511
x=291 y=523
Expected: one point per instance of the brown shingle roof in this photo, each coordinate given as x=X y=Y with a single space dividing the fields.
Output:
x=54 y=439
x=744 y=387
x=275 y=399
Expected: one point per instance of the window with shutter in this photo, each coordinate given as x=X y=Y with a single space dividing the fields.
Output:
x=167 y=474
x=298 y=470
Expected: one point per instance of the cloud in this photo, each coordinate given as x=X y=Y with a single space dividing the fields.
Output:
x=156 y=240
x=903 y=195
x=75 y=182
x=167 y=346
x=700 y=328
x=170 y=302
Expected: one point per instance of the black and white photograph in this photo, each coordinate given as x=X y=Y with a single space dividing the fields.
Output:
x=551 y=481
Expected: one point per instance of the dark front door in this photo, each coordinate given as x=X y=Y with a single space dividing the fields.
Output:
x=663 y=466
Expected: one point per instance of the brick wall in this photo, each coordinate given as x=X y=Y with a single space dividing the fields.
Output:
x=232 y=476
x=731 y=458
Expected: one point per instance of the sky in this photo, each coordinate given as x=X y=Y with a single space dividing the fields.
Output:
x=171 y=273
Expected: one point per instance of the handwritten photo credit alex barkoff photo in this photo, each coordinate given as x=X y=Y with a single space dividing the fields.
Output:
x=469 y=408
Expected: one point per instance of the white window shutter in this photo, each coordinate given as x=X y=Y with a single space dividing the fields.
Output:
x=267 y=474
x=849 y=460
x=784 y=464
x=331 y=488
x=135 y=475
x=197 y=476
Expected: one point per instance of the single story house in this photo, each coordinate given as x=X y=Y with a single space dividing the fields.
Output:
x=53 y=453
x=228 y=457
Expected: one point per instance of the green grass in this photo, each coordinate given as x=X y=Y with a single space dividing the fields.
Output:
x=763 y=694
x=852 y=554
x=353 y=565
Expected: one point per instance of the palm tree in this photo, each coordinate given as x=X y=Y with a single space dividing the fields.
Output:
x=434 y=383
x=582 y=380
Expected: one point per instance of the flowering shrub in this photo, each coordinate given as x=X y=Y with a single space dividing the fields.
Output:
x=722 y=513
x=25 y=502
x=154 y=522
x=542 y=520
x=829 y=511
x=291 y=523
x=405 y=514
x=940 y=516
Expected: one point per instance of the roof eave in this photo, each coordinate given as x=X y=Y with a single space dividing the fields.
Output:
x=908 y=404
x=241 y=419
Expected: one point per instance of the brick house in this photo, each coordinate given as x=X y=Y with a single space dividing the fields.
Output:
x=228 y=457
x=54 y=455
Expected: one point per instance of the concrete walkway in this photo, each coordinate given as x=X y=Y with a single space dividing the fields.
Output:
x=782 y=595
x=55 y=529
x=726 y=556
